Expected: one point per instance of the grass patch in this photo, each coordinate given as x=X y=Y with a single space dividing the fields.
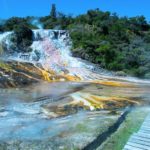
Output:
x=131 y=124
x=81 y=128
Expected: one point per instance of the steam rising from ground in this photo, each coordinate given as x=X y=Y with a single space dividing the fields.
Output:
x=36 y=22
x=2 y=22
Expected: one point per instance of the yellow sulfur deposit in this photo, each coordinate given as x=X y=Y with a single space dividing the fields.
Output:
x=113 y=83
x=102 y=102
x=72 y=78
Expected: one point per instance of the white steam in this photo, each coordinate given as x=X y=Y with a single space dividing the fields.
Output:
x=36 y=22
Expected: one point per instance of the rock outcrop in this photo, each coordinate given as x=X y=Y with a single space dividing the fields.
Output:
x=19 y=74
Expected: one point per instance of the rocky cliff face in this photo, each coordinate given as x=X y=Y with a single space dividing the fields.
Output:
x=50 y=48
x=50 y=59
x=19 y=74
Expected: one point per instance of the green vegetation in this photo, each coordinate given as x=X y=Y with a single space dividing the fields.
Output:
x=22 y=38
x=115 y=43
x=81 y=128
x=13 y=22
x=131 y=125
x=53 y=12
x=118 y=44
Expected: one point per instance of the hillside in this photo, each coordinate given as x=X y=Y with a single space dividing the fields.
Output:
x=115 y=43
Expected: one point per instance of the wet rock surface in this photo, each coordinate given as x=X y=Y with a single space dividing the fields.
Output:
x=20 y=74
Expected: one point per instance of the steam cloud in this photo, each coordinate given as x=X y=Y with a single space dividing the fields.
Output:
x=36 y=22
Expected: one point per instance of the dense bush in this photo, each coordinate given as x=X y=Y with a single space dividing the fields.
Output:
x=119 y=44
x=12 y=22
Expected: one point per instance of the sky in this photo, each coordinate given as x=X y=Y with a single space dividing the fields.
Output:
x=22 y=8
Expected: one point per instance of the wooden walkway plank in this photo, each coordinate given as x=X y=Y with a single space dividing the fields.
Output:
x=144 y=126
x=145 y=129
x=139 y=142
x=141 y=139
x=143 y=135
x=128 y=147
x=146 y=122
x=148 y=117
x=138 y=145
x=144 y=132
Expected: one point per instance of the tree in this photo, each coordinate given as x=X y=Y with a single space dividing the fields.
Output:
x=53 y=13
x=12 y=22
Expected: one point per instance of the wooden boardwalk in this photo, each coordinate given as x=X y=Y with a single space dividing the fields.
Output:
x=140 y=140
